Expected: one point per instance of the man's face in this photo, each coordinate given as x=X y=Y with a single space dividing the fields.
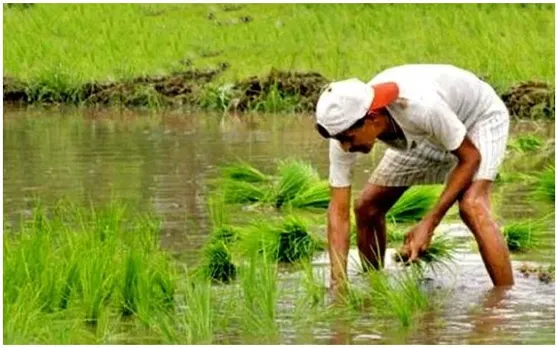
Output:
x=360 y=139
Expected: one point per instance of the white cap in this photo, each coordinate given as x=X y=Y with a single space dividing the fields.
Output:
x=345 y=102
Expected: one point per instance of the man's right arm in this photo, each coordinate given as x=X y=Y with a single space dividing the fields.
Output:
x=338 y=234
x=338 y=219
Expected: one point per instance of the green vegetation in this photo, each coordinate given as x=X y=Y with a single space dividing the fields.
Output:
x=296 y=184
x=414 y=204
x=396 y=296
x=546 y=184
x=519 y=234
x=440 y=251
x=89 y=266
x=116 y=53
x=526 y=143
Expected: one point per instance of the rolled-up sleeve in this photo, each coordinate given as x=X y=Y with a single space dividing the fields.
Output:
x=340 y=165
x=444 y=126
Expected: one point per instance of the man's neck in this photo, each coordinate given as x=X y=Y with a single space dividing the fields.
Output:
x=392 y=130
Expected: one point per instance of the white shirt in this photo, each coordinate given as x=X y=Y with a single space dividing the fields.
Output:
x=442 y=103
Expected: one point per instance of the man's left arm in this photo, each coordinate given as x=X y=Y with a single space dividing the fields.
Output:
x=444 y=126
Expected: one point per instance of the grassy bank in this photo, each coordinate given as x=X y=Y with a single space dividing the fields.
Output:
x=56 y=51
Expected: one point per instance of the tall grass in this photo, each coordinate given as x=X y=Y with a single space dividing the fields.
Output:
x=58 y=46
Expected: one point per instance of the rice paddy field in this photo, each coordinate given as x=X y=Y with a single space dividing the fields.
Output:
x=140 y=224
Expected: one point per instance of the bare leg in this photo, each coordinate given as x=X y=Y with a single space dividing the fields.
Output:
x=370 y=212
x=474 y=209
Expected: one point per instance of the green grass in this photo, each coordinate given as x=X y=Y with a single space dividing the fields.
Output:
x=58 y=46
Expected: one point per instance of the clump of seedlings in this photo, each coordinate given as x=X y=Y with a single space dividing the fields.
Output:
x=440 y=251
x=283 y=240
x=519 y=235
x=217 y=258
x=296 y=184
x=414 y=204
x=526 y=143
x=398 y=295
x=546 y=184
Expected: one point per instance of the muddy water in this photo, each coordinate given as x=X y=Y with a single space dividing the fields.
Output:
x=162 y=163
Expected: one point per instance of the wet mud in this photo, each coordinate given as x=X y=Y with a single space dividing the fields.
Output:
x=531 y=99
x=545 y=275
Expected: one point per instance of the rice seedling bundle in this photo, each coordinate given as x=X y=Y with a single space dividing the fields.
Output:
x=414 y=204
x=218 y=263
x=317 y=195
x=243 y=171
x=526 y=143
x=295 y=177
x=519 y=234
x=546 y=184
x=235 y=191
x=441 y=250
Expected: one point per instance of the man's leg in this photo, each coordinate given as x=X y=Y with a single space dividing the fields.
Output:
x=474 y=209
x=370 y=212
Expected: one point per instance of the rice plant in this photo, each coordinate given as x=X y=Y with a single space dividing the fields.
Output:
x=243 y=171
x=242 y=192
x=390 y=295
x=283 y=240
x=440 y=252
x=398 y=295
x=317 y=195
x=526 y=143
x=295 y=177
x=546 y=184
x=87 y=265
x=519 y=235
x=218 y=264
x=414 y=204
x=258 y=281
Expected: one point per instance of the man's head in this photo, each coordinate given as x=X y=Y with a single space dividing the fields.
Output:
x=351 y=111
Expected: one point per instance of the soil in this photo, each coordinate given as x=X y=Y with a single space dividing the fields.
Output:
x=305 y=86
x=530 y=99
x=176 y=89
x=544 y=275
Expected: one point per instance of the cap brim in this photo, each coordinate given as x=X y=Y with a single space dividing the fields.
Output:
x=384 y=94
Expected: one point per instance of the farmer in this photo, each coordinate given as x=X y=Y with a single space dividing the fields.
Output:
x=441 y=124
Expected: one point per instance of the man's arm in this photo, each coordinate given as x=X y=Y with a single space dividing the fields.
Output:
x=338 y=228
x=445 y=128
x=460 y=178
x=338 y=215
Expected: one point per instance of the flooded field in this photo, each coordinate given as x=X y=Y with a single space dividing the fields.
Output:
x=162 y=163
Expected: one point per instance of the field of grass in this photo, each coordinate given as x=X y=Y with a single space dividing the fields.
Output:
x=62 y=46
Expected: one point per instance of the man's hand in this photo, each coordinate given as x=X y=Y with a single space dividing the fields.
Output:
x=418 y=239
